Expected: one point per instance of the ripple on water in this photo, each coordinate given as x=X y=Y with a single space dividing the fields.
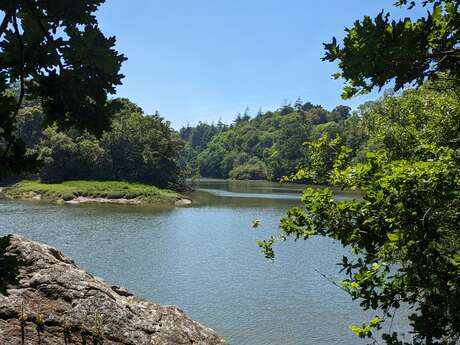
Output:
x=204 y=259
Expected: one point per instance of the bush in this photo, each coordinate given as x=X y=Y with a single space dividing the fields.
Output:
x=253 y=170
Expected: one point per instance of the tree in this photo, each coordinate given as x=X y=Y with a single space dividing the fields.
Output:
x=254 y=169
x=120 y=107
x=298 y=104
x=59 y=153
x=72 y=155
x=403 y=231
x=56 y=52
x=286 y=108
x=29 y=125
x=340 y=113
x=144 y=149
x=242 y=118
x=379 y=50
x=137 y=148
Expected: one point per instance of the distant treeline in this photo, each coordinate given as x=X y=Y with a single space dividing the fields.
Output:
x=268 y=146
x=137 y=148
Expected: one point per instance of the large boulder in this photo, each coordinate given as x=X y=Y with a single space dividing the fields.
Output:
x=37 y=282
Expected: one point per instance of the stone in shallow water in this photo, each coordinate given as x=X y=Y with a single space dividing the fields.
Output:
x=72 y=301
x=183 y=202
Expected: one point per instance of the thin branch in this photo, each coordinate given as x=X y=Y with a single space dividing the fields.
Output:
x=391 y=322
x=332 y=281
x=444 y=53
x=333 y=148
x=424 y=216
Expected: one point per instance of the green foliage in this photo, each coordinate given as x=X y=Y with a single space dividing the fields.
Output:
x=196 y=139
x=378 y=50
x=145 y=149
x=403 y=233
x=137 y=148
x=429 y=115
x=324 y=154
x=53 y=51
x=366 y=330
x=255 y=223
x=120 y=107
x=92 y=189
x=65 y=157
x=254 y=169
x=268 y=146
x=29 y=125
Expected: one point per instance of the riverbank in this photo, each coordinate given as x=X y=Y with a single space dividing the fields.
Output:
x=78 y=192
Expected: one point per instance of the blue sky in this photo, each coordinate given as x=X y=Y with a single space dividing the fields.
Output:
x=205 y=60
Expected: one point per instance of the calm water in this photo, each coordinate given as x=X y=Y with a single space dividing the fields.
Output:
x=204 y=259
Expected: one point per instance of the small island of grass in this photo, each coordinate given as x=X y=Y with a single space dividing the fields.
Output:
x=76 y=192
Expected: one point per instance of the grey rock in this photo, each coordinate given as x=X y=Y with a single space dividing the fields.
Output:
x=39 y=279
x=121 y=291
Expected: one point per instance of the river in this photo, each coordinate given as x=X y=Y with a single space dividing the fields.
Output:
x=204 y=259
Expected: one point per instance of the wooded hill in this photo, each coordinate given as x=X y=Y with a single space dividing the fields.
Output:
x=268 y=146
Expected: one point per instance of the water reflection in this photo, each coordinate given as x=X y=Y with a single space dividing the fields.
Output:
x=263 y=193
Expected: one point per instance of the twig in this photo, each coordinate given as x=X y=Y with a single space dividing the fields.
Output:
x=391 y=322
x=332 y=281
x=424 y=216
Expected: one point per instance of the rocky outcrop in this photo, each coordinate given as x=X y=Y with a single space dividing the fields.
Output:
x=46 y=298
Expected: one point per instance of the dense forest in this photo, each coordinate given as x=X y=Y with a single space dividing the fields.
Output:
x=271 y=145
x=268 y=146
x=136 y=148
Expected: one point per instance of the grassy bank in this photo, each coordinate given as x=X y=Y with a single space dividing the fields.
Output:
x=71 y=190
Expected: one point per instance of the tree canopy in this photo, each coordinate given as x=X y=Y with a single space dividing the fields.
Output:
x=378 y=50
x=53 y=51
x=135 y=148
x=267 y=146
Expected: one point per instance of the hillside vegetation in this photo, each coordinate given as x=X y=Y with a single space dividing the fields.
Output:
x=268 y=146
